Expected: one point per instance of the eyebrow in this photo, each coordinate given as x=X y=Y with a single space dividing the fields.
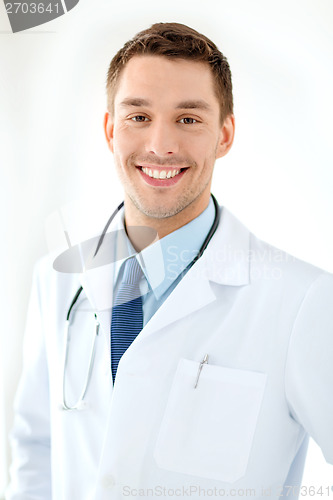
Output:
x=194 y=104
x=189 y=104
x=135 y=101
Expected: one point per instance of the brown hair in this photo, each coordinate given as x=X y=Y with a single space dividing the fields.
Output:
x=174 y=40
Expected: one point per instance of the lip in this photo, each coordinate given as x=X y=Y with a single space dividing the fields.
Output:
x=162 y=182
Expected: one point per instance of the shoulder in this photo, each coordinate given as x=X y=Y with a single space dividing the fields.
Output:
x=270 y=262
x=265 y=263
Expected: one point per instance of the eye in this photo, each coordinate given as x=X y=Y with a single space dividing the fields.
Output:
x=188 y=120
x=139 y=118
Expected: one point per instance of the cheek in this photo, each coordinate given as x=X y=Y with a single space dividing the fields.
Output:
x=125 y=142
x=121 y=144
x=203 y=149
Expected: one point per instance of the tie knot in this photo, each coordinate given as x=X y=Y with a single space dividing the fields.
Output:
x=132 y=272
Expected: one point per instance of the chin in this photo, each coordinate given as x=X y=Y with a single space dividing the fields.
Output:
x=158 y=212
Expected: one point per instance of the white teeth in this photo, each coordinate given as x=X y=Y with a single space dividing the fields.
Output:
x=160 y=174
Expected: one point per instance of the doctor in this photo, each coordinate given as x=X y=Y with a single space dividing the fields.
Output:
x=229 y=366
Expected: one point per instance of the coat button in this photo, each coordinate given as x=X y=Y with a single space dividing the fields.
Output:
x=108 y=481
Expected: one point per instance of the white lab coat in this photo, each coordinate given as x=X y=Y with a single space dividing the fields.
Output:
x=266 y=321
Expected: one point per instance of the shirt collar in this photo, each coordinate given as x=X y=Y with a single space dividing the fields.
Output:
x=164 y=260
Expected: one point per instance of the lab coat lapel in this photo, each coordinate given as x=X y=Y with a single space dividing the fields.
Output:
x=225 y=262
x=192 y=293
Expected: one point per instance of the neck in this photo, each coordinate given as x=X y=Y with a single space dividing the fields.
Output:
x=143 y=230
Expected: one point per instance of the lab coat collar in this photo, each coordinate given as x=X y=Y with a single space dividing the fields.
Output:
x=227 y=257
x=225 y=262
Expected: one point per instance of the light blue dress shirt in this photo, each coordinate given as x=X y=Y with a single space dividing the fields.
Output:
x=163 y=261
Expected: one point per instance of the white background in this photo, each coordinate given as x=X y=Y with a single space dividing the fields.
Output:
x=277 y=178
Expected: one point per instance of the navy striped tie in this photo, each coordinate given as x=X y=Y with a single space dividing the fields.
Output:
x=127 y=315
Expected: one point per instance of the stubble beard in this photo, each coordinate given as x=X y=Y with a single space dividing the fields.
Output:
x=188 y=197
x=161 y=212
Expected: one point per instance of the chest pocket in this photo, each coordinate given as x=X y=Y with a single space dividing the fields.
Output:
x=208 y=431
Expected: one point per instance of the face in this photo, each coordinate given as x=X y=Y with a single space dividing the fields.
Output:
x=165 y=134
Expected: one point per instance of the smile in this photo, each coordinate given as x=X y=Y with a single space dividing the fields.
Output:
x=160 y=174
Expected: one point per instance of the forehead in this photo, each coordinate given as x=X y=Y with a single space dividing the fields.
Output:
x=159 y=78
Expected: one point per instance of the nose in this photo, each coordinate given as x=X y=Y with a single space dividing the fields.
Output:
x=162 y=138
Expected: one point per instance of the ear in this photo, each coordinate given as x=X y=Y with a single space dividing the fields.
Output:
x=108 y=130
x=226 y=137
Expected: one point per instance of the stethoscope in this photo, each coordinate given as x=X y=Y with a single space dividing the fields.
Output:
x=80 y=404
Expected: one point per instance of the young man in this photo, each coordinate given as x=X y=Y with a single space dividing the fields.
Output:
x=220 y=345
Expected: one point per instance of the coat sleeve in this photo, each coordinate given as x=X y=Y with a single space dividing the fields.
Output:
x=309 y=367
x=30 y=437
